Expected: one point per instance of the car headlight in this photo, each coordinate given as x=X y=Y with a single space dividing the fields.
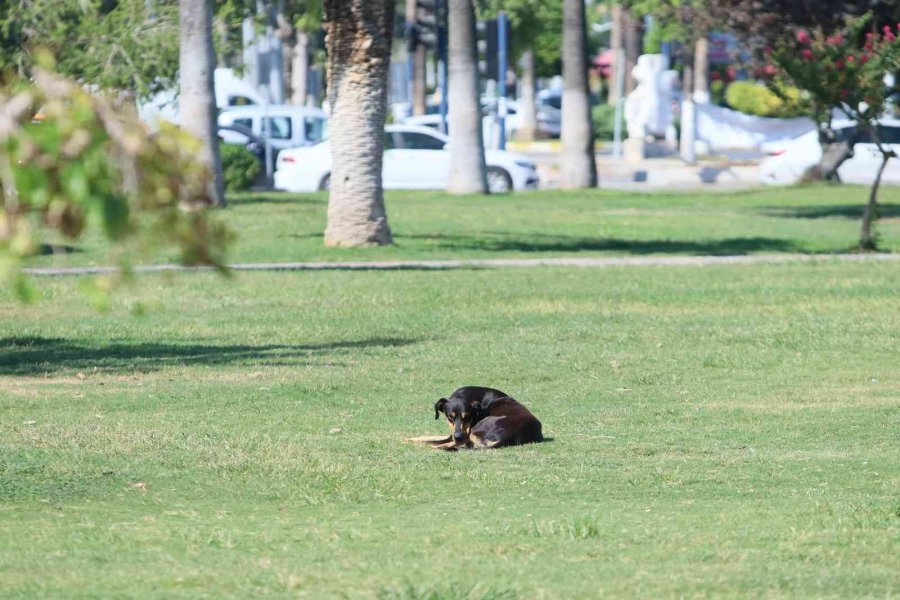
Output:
x=525 y=164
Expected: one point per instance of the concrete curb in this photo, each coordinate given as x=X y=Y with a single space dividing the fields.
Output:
x=627 y=261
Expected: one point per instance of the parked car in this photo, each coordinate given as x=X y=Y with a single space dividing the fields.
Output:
x=787 y=162
x=242 y=136
x=289 y=126
x=549 y=121
x=414 y=158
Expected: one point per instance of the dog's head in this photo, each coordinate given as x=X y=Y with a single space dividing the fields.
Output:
x=462 y=413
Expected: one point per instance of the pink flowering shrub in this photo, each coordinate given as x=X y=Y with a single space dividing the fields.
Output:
x=844 y=70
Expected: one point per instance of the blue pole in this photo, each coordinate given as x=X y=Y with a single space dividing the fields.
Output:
x=441 y=24
x=502 y=25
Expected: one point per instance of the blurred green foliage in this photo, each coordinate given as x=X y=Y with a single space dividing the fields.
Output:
x=124 y=45
x=604 y=118
x=757 y=99
x=240 y=167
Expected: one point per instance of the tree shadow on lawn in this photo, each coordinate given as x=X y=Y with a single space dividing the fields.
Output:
x=40 y=355
x=836 y=211
x=250 y=198
x=495 y=241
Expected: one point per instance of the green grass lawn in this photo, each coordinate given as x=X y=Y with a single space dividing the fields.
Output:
x=432 y=225
x=719 y=431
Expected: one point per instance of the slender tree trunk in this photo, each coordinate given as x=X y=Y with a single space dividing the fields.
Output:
x=615 y=44
x=467 y=168
x=701 y=71
x=196 y=99
x=222 y=31
x=288 y=48
x=632 y=34
x=420 y=90
x=300 y=69
x=578 y=166
x=688 y=112
x=867 y=238
x=527 y=103
x=418 y=63
x=358 y=42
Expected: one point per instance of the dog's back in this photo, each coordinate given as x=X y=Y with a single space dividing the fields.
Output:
x=508 y=423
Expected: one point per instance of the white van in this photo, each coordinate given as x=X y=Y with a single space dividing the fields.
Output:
x=289 y=126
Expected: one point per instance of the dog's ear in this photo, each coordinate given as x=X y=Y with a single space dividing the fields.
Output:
x=439 y=407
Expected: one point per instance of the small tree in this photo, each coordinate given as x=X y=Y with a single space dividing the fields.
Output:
x=845 y=71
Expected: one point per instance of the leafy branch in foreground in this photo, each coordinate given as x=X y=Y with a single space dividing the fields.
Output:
x=71 y=160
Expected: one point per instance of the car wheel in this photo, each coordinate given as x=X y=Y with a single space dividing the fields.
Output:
x=325 y=184
x=499 y=181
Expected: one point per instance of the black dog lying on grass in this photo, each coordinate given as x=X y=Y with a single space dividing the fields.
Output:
x=483 y=418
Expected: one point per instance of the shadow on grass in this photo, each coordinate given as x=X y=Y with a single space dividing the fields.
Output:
x=837 y=211
x=51 y=249
x=492 y=241
x=249 y=198
x=39 y=355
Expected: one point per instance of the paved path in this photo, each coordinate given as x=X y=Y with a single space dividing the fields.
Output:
x=669 y=261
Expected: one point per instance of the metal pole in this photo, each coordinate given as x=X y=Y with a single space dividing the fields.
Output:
x=502 y=25
x=441 y=24
x=620 y=101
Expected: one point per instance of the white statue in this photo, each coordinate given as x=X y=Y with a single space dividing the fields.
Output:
x=648 y=109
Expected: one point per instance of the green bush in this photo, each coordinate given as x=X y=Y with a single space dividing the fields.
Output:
x=240 y=167
x=604 y=118
x=757 y=99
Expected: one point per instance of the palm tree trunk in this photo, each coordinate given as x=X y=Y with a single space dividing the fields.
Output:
x=701 y=71
x=418 y=63
x=688 y=112
x=632 y=35
x=467 y=168
x=867 y=238
x=358 y=43
x=527 y=107
x=196 y=99
x=300 y=69
x=578 y=167
x=615 y=44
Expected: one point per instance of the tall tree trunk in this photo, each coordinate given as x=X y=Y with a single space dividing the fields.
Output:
x=688 y=111
x=633 y=31
x=358 y=42
x=221 y=27
x=701 y=71
x=196 y=99
x=300 y=69
x=288 y=48
x=467 y=168
x=579 y=169
x=867 y=238
x=420 y=90
x=615 y=44
x=527 y=106
x=418 y=63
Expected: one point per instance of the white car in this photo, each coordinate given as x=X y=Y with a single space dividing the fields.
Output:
x=289 y=126
x=789 y=161
x=549 y=121
x=414 y=158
